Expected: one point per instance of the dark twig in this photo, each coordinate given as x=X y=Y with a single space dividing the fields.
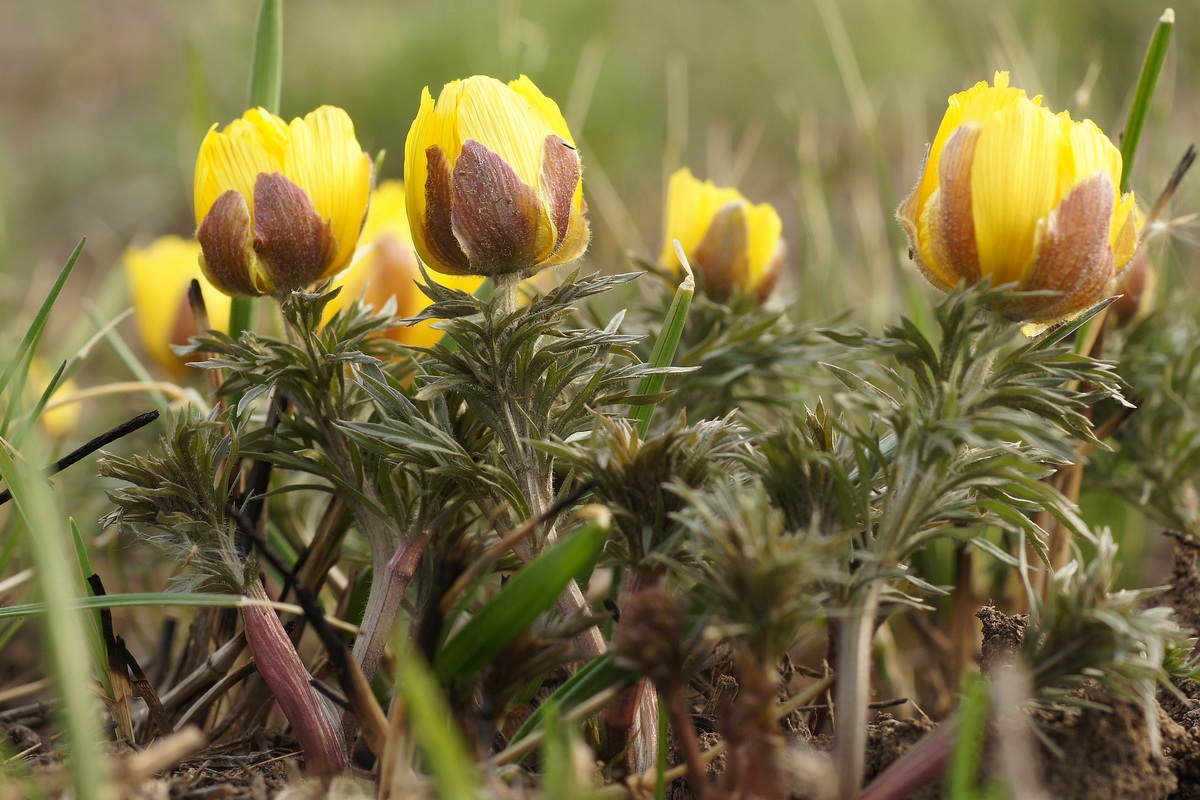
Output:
x=85 y=450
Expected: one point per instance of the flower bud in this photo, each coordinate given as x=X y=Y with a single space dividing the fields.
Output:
x=159 y=276
x=386 y=267
x=1014 y=192
x=280 y=207
x=494 y=181
x=1135 y=289
x=58 y=421
x=735 y=247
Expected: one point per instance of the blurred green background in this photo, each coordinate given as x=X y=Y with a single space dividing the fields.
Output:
x=821 y=107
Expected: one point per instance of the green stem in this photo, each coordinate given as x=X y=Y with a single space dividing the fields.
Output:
x=532 y=473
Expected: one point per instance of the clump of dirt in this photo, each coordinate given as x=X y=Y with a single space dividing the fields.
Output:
x=1106 y=751
x=1103 y=743
x=1184 y=592
x=1002 y=637
x=888 y=739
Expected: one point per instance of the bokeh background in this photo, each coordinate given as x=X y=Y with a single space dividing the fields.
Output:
x=819 y=106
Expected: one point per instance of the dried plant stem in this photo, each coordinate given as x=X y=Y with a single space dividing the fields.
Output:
x=284 y=673
x=857 y=631
x=686 y=740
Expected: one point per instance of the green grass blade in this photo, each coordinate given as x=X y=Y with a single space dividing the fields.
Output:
x=667 y=343
x=589 y=681
x=1143 y=98
x=266 y=71
x=266 y=90
x=93 y=631
x=962 y=773
x=446 y=752
x=142 y=599
x=19 y=363
x=62 y=627
x=530 y=592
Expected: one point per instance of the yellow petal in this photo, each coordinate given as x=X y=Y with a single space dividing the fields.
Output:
x=765 y=231
x=545 y=108
x=158 y=276
x=324 y=159
x=416 y=173
x=1090 y=151
x=691 y=206
x=1013 y=187
x=975 y=104
x=233 y=158
x=505 y=122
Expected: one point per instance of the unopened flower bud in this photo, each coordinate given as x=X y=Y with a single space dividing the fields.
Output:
x=1016 y=193
x=736 y=247
x=1135 y=287
x=279 y=207
x=494 y=180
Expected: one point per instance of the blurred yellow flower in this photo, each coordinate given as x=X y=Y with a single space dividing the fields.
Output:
x=1019 y=194
x=494 y=181
x=735 y=246
x=58 y=421
x=280 y=206
x=385 y=266
x=159 y=276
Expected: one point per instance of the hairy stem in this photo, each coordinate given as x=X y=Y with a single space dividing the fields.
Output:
x=857 y=631
x=285 y=675
x=531 y=472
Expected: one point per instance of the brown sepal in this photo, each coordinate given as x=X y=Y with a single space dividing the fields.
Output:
x=496 y=215
x=560 y=176
x=226 y=245
x=954 y=244
x=294 y=244
x=1074 y=259
x=447 y=254
x=722 y=257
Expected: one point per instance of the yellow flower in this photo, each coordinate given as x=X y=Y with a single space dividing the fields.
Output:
x=385 y=266
x=280 y=206
x=494 y=181
x=735 y=246
x=159 y=276
x=58 y=421
x=1019 y=194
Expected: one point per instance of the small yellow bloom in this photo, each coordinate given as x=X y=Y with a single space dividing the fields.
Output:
x=735 y=246
x=1017 y=193
x=385 y=266
x=494 y=181
x=159 y=276
x=279 y=206
x=58 y=421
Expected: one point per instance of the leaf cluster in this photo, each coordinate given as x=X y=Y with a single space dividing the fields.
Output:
x=1156 y=460
x=958 y=428
x=638 y=480
x=178 y=499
